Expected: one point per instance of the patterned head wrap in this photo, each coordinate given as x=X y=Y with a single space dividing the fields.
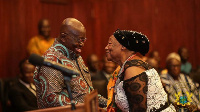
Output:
x=132 y=40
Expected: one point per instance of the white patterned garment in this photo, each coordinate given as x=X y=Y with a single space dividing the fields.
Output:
x=156 y=96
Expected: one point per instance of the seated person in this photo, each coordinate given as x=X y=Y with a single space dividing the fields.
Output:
x=23 y=95
x=186 y=66
x=93 y=64
x=179 y=85
x=156 y=56
x=40 y=43
x=100 y=80
x=153 y=63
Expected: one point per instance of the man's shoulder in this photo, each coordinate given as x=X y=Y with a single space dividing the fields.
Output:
x=54 y=54
x=36 y=37
x=17 y=87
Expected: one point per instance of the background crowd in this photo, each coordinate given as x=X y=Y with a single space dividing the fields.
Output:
x=20 y=18
x=18 y=94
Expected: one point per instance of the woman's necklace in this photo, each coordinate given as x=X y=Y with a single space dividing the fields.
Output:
x=122 y=68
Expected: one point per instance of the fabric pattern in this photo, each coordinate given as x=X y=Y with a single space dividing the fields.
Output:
x=51 y=89
x=142 y=93
x=110 y=89
x=136 y=91
x=184 y=86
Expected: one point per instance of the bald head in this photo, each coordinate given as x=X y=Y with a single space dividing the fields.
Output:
x=72 y=25
x=72 y=34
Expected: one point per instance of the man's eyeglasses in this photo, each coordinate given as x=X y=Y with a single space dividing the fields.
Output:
x=76 y=38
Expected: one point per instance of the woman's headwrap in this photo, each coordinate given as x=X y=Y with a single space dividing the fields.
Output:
x=132 y=40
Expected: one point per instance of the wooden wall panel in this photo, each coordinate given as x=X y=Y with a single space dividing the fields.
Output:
x=168 y=24
x=196 y=44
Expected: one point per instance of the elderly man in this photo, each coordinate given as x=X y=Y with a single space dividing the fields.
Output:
x=181 y=89
x=40 y=43
x=51 y=90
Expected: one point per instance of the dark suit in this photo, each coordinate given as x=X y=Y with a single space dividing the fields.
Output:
x=100 y=83
x=22 y=99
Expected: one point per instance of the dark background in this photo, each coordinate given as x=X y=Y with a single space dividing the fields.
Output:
x=168 y=24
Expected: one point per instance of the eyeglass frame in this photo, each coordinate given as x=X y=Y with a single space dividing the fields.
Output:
x=79 y=40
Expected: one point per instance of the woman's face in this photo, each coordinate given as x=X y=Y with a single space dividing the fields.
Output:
x=113 y=49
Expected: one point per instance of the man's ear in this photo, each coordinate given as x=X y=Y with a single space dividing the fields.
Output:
x=62 y=37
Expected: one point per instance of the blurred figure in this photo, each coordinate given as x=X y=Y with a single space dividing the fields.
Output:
x=40 y=43
x=181 y=88
x=108 y=67
x=93 y=64
x=23 y=95
x=156 y=56
x=196 y=75
x=186 y=66
x=100 y=80
x=154 y=64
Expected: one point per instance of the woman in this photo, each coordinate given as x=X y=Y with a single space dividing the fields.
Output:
x=137 y=86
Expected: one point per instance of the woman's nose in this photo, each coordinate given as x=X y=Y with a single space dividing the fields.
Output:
x=106 y=47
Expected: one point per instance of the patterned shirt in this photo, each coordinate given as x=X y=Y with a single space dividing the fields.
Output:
x=180 y=88
x=51 y=89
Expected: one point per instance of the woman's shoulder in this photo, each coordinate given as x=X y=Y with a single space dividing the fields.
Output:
x=142 y=76
x=137 y=63
x=132 y=72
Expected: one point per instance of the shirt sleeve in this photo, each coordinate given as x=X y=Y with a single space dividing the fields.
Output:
x=102 y=101
x=51 y=88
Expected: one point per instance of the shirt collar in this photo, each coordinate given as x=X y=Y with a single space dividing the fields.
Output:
x=65 y=51
x=24 y=83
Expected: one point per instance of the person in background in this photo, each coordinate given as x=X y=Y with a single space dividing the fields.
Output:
x=180 y=87
x=156 y=56
x=100 y=80
x=137 y=86
x=186 y=66
x=66 y=51
x=40 y=43
x=153 y=63
x=22 y=95
x=93 y=64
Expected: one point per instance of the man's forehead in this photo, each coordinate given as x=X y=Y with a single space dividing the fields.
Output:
x=45 y=22
x=174 y=61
